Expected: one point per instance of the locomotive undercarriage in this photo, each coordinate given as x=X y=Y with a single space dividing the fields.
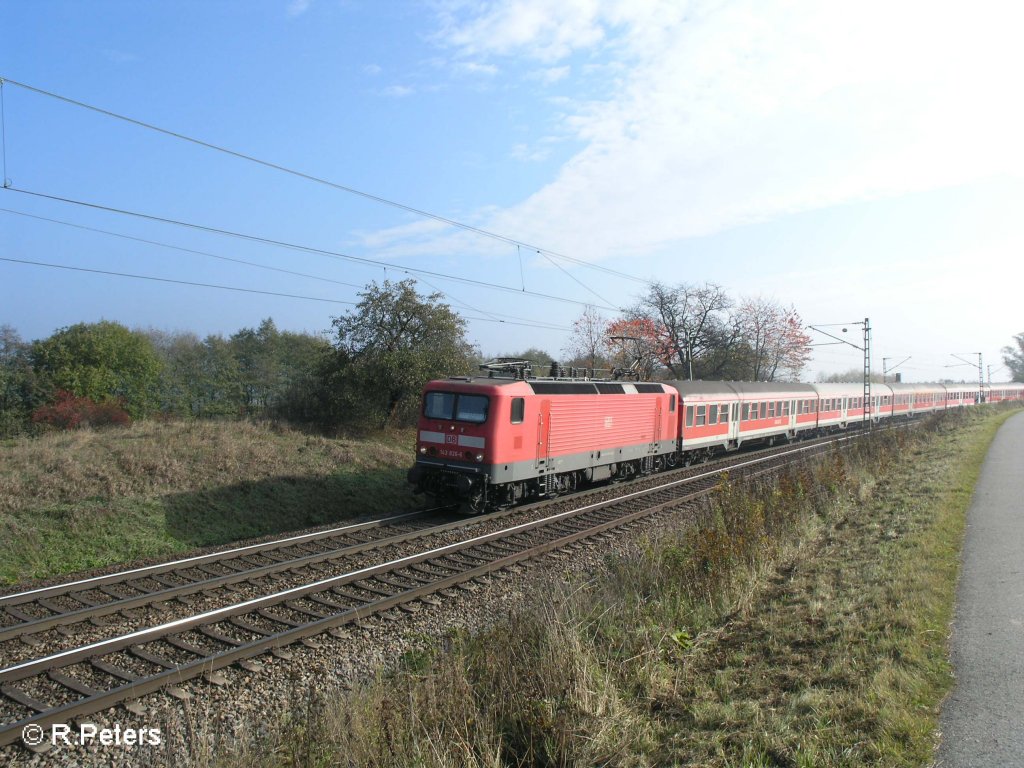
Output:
x=478 y=496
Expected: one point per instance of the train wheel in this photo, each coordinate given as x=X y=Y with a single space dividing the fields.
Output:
x=478 y=501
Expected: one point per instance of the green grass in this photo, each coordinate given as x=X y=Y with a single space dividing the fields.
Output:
x=803 y=623
x=86 y=499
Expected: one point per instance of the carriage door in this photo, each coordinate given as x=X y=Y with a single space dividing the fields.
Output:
x=734 y=422
x=543 y=433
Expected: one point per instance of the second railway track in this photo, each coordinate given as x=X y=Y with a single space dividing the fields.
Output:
x=53 y=687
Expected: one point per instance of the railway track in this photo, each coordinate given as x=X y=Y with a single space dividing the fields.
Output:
x=85 y=677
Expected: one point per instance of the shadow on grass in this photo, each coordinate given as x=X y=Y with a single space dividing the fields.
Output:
x=280 y=504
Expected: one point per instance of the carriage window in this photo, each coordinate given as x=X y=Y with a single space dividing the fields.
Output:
x=713 y=414
x=689 y=415
x=771 y=410
x=754 y=410
x=746 y=411
x=700 y=415
x=672 y=403
x=518 y=409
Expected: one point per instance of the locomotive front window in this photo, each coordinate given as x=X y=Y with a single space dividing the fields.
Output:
x=471 y=408
x=454 y=407
x=439 y=405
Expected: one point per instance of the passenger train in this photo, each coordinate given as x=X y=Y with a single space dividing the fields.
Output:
x=490 y=442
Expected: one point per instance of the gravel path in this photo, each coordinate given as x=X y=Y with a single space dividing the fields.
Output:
x=983 y=720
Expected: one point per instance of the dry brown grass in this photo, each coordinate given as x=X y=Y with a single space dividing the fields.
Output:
x=77 y=500
x=801 y=625
x=151 y=458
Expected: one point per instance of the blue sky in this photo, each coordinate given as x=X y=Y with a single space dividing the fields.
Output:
x=854 y=160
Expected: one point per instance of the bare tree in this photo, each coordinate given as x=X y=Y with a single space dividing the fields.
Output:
x=634 y=347
x=588 y=343
x=778 y=345
x=696 y=329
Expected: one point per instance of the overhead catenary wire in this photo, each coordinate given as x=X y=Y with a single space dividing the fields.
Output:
x=171 y=280
x=326 y=182
x=181 y=248
x=321 y=278
x=232 y=288
x=572 y=277
x=303 y=248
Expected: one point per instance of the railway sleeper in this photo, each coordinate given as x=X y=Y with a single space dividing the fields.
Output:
x=141 y=653
x=20 y=697
x=118 y=673
x=185 y=645
x=220 y=637
x=71 y=683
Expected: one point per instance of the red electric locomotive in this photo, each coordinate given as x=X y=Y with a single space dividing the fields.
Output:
x=494 y=442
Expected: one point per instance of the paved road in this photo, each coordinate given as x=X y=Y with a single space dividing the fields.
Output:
x=983 y=720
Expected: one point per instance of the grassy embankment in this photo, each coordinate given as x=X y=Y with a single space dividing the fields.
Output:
x=805 y=625
x=76 y=500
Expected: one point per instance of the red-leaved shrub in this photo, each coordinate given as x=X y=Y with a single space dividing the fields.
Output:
x=70 y=412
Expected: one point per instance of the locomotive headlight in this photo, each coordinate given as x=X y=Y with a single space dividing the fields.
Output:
x=423 y=449
x=479 y=457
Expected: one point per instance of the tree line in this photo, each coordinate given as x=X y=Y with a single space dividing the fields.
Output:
x=695 y=332
x=369 y=369
x=367 y=372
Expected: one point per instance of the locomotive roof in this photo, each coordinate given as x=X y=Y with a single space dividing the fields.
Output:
x=546 y=386
x=485 y=380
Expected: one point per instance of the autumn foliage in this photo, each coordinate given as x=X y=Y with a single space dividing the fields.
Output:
x=71 y=412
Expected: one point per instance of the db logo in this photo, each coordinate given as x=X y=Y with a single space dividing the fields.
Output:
x=451 y=439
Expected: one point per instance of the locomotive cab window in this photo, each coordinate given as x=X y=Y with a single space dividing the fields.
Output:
x=518 y=409
x=439 y=405
x=455 y=407
x=471 y=408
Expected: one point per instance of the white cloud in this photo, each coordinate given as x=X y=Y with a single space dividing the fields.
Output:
x=527 y=153
x=551 y=75
x=398 y=91
x=372 y=69
x=725 y=113
x=476 y=68
x=298 y=7
x=119 y=57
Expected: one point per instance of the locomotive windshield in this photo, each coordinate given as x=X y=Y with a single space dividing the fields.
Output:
x=452 y=406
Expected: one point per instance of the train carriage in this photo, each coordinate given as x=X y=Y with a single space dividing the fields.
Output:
x=723 y=415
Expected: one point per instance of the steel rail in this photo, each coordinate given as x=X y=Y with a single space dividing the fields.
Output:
x=25 y=624
x=101 y=699
x=21 y=629
x=80 y=585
